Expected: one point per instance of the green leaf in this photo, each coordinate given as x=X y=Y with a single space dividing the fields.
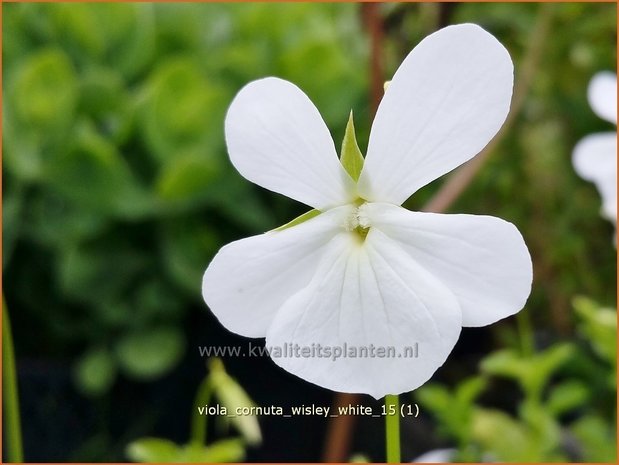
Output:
x=95 y=372
x=434 y=397
x=599 y=326
x=182 y=111
x=299 y=219
x=567 y=396
x=503 y=437
x=104 y=97
x=351 y=157
x=150 y=354
x=505 y=363
x=93 y=174
x=149 y=450
x=597 y=438
x=232 y=396
x=227 y=450
x=187 y=177
x=532 y=373
x=45 y=92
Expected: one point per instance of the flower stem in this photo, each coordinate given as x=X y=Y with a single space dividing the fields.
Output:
x=10 y=395
x=392 y=428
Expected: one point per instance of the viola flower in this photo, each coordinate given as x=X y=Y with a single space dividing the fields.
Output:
x=361 y=271
x=595 y=156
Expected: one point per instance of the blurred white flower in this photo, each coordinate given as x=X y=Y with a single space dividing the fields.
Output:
x=595 y=156
x=436 y=456
x=365 y=271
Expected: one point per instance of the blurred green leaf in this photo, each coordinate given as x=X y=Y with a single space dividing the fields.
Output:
x=599 y=326
x=105 y=98
x=95 y=372
x=182 y=111
x=453 y=410
x=45 y=90
x=531 y=372
x=151 y=353
x=507 y=440
x=567 y=396
x=153 y=450
x=598 y=440
x=226 y=450
x=188 y=178
x=232 y=396
x=92 y=174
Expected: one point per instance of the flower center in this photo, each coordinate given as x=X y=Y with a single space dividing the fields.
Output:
x=358 y=222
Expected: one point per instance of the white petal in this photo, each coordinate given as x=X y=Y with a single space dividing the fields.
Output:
x=368 y=295
x=483 y=260
x=602 y=94
x=446 y=101
x=248 y=280
x=437 y=456
x=277 y=139
x=595 y=159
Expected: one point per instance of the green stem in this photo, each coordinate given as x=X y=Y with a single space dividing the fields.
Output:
x=10 y=395
x=392 y=428
x=198 y=422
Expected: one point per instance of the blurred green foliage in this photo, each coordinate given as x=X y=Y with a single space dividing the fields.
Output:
x=118 y=191
x=230 y=395
x=563 y=414
x=115 y=164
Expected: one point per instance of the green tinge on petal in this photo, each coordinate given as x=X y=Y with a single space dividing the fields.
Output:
x=351 y=157
x=299 y=219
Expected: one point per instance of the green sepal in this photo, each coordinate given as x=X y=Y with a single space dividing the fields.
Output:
x=351 y=157
x=299 y=219
x=352 y=161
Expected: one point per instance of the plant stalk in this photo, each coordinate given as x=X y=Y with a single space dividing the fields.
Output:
x=10 y=394
x=392 y=428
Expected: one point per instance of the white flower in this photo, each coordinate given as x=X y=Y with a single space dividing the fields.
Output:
x=595 y=156
x=367 y=272
x=437 y=456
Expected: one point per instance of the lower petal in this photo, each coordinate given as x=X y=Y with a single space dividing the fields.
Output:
x=483 y=260
x=248 y=280
x=366 y=313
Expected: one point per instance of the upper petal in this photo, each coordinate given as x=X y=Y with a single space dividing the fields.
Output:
x=602 y=94
x=277 y=139
x=248 y=280
x=595 y=159
x=483 y=260
x=445 y=103
x=363 y=297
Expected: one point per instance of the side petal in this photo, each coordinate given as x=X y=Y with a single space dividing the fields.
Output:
x=447 y=100
x=368 y=310
x=483 y=260
x=248 y=280
x=277 y=139
x=602 y=95
x=595 y=159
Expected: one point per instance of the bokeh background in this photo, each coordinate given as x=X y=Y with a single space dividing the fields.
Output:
x=117 y=192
